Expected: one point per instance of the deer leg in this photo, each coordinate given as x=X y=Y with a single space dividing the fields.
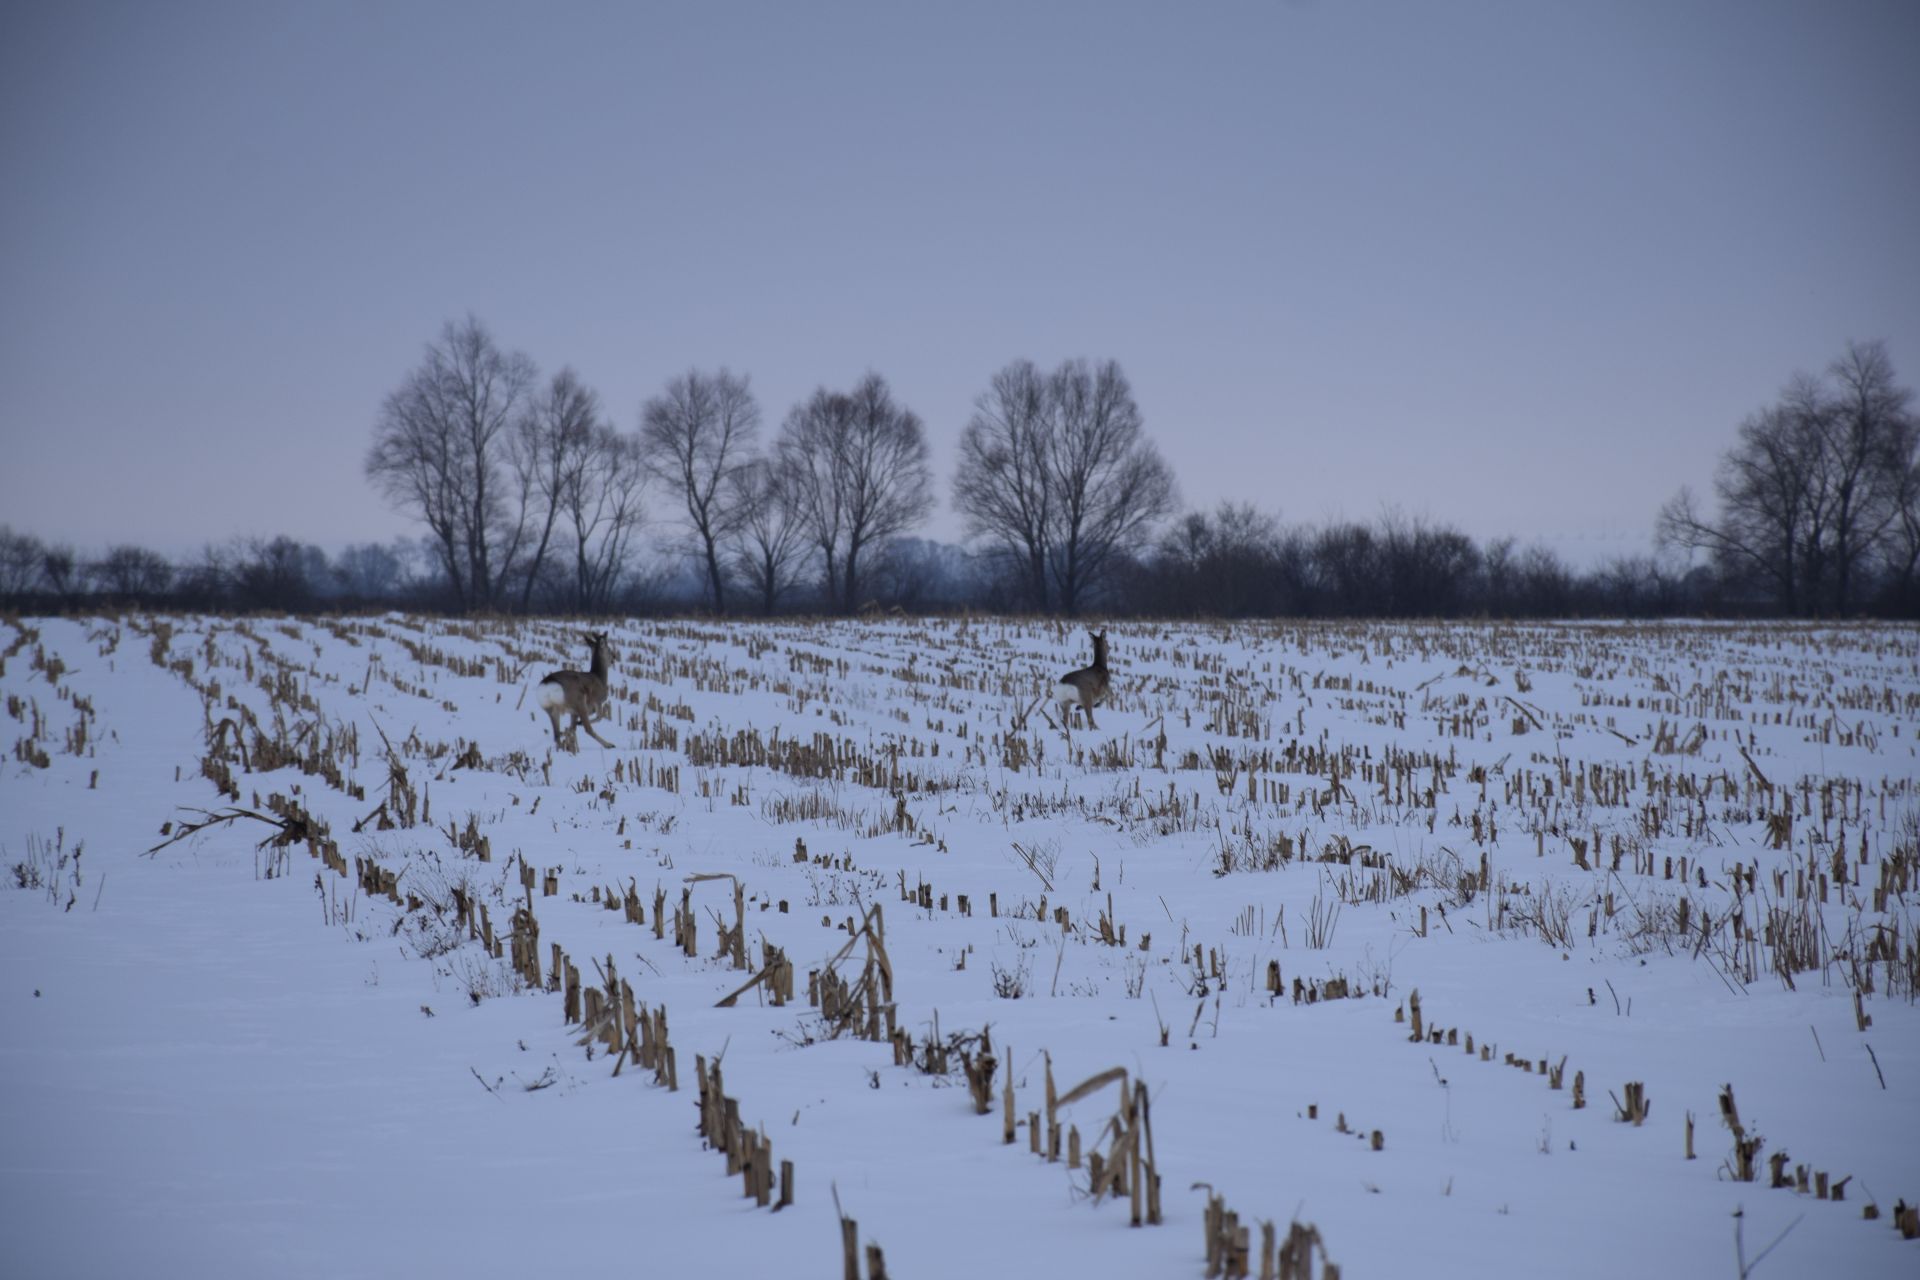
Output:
x=554 y=716
x=584 y=723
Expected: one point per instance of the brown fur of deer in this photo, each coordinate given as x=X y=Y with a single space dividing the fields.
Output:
x=579 y=694
x=1087 y=687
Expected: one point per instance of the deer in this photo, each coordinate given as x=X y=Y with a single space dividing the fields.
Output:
x=1087 y=687
x=581 y=694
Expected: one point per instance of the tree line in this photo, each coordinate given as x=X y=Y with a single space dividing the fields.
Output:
x=279 y=574
x=511 y=476
x=1230 y=562
x=530 y=498
x=1819 y=498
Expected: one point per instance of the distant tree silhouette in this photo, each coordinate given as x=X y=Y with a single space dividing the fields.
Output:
x=1868 y=438
x=21 y=558
x=277 y=573
x=1057 y=476
x=604 y=508
x=129 y=572
x=59 y=571
x=1231 y=562
x=1109 y=482
x=554 y=441
x=694 y=436
x=769 y=538
x=855 y=465
x=1003 y=486
x=1816 y=487
x=1903 y=544
x=444 y=452
x=370 y=572
x=1431 y=570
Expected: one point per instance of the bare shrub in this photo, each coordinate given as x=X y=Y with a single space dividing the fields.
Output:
x=1011 y=984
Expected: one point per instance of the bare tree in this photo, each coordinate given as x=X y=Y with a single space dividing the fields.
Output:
x=1057 y=474
x=1771 y=507
x=130 y=572
x=370 y=571
x=555 y=439
x=1811 y=489
x=1546 y=582
x=442 y=453
x=1903 y=552
x=21 y=555
x=856 y=465
x=1225 y=563
x=276 y=573
x=59 y=569
x=916 y=574
x=1868 y=444
x=694 y=436
x=205 y=581
x=812 y=442
x=769 y=539
x=1635 y=586
x=1108 y=481
x=1346 y=570
x=1499 y=576
x=1428 y=567
x=1515 y=582
x=601 y=497
x=888 y=476
x=1002 y=485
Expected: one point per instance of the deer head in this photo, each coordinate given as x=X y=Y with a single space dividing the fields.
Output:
x=602 y=651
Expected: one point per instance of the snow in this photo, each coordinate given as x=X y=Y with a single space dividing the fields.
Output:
x=223 y=1059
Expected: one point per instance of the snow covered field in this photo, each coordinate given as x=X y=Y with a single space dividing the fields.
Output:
x=1274 y=896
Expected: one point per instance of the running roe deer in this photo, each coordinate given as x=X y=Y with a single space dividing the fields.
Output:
x=581 y=694
x=1086 y=687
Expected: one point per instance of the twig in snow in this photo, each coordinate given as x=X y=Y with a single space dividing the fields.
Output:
x=1033 y=864
x=1739 y=1244
x=1758 y=776
x=547 y=1079
x=1739 y=990
x=287 y=830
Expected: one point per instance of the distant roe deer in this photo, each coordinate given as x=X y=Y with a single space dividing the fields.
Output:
x=1087 y=687
x=581 y=694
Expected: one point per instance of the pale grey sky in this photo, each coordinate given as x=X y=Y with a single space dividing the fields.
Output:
x=1518 y=266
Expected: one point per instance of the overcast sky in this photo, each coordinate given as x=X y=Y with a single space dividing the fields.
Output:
x=1521 y=267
